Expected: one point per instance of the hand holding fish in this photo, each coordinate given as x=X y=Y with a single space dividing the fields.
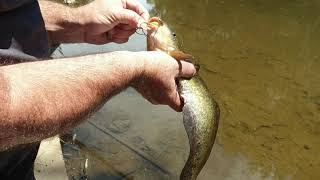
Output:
x=158 y=80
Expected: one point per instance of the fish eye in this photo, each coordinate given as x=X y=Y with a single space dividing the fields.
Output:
x=174 y=35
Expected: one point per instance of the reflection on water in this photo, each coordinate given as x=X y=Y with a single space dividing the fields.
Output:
x=262 y=59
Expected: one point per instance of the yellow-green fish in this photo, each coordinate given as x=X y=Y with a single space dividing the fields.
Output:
x=200 y=112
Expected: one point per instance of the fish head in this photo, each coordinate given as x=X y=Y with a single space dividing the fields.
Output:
x=160 y=37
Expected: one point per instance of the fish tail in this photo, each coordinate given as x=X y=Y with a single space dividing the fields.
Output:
x=187 y=172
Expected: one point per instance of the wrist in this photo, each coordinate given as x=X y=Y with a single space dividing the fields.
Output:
x=85 y=19
x=63 y=24
x=82 y=16
x=73 y=26
x=141 y=59
x=132 y=64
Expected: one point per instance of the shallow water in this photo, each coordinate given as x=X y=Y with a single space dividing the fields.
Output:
x=261 y=59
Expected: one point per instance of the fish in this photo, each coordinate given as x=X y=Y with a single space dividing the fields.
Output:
x=201 y=112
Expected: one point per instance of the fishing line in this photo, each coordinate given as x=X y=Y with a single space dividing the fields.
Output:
x=143 y=30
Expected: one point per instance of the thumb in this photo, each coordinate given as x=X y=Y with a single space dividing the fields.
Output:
x=126 y=16
x=177 y=102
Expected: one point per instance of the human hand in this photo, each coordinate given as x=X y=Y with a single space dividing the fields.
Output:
x=158 y=80
x=111 y=20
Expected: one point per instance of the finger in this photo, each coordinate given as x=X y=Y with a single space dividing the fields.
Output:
x=98 y=39
x=186 y=69
x=125 y=27
x=123 y=34
x=110 y=34
x=176 y=102
x=120 y=40
x=136 y=6
x=129 y=17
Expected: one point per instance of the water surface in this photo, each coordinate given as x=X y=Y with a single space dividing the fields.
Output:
x=261 y=59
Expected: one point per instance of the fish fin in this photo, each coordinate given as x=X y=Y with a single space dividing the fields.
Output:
x=179 y=55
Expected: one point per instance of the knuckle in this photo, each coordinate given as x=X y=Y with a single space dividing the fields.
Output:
x=117 y=12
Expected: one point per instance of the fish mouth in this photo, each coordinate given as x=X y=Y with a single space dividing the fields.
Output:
x=154 y=23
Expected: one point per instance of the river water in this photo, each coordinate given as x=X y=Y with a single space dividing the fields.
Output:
x=261 y=59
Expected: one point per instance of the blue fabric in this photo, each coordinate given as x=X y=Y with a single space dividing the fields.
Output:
x=7 y=5
x=25 y=27
x=18 y=163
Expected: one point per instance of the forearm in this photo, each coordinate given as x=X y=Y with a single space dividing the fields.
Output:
x=63 y=23
x=45 y=98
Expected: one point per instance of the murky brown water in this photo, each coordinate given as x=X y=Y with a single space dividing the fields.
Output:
x=262 y=61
